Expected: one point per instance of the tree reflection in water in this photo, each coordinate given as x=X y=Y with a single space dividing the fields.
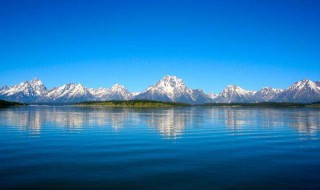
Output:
x=170 y=122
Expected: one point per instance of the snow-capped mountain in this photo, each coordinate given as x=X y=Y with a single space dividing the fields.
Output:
x=67 y=93
x=303 y=91
x=199 y=97
x=170 y=88
x=119 y=92
x=38 y=86
x=212 y=96
x=235 y=94
x=116 y=92
x=34 y=91
x=99 y=93
x=266 y=94
x=173 y=89
x=28 y=91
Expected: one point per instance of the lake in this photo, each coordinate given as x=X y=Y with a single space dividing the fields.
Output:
x=69 y=147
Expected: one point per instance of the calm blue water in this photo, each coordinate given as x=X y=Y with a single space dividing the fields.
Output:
x=66 y=147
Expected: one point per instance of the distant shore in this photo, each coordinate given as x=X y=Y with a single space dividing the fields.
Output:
x=134 y=103
x=263 y=104
x=150 y=103
x=160 y=104
x=4 y=103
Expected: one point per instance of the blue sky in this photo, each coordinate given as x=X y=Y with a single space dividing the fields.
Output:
x=210 y=44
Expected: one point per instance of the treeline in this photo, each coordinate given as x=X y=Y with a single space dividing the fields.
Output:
x=154 y=103
x=4 y=103
x=133 y=103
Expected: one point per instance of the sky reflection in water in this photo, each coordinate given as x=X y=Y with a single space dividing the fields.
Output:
x=170 y=122
x=69 y=147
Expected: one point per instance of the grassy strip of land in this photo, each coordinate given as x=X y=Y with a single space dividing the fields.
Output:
x=133 y=103
x=264 y=104
x=4 y=103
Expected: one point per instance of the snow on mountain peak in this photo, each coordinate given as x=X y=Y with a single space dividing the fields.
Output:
x=169 y=82
x=300 y=83
x=38 y=86
x=35 y=87
x=212 y=95
x=234 y=93
x=235 y=89
x=301 y=91
x=117 y=92
x=117 y=87
x=169 y=88
x=304 y=85
x=24 y=91
x=266 y=94
x=172 y=88
x=171 y=77
x=70 y=92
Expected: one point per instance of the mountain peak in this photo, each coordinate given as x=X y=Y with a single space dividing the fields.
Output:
x=212 y=95
x=234 y=93
x=169 y=82
x=233 y=87
x=170 y=77
x=304 y=80
x=117 y=86
x=266 y=94
x=117 y=92
x=301 y=91
x=35 y=82
x=169 y=88
x=303 y=84
x=172 y=88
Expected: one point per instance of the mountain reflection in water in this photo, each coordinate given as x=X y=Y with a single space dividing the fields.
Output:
x=170 y=122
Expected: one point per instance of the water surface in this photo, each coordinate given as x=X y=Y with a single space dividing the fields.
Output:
x=68 y=147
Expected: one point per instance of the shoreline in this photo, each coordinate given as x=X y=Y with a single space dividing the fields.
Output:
x=159 y=104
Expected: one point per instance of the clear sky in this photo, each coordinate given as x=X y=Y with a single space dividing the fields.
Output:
x=210 y=44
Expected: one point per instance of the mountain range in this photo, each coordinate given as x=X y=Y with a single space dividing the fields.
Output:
x=169 y=88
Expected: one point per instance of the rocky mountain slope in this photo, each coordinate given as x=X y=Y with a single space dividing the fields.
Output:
x=173 y=89
x=169 y=88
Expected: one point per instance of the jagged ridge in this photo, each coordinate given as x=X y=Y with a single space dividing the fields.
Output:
x=169 y=89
